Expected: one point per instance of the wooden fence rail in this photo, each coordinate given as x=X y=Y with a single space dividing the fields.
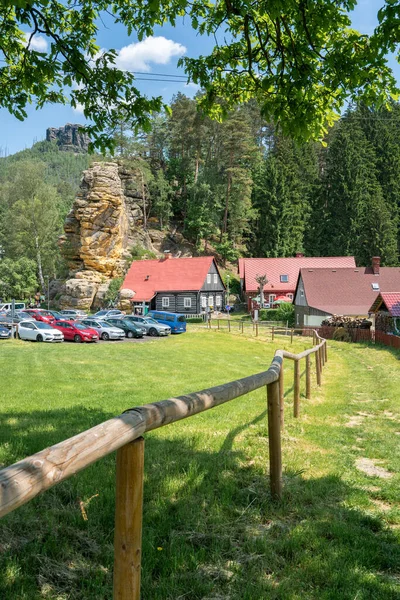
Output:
x=22 y=481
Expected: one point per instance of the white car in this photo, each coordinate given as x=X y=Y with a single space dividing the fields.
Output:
x=37 y=331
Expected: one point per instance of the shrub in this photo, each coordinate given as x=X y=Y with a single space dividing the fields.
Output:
x=194 y=320
x=268 y=314
x=113 y=290
x=341 y=335
x=285 y=312
x=139 y=253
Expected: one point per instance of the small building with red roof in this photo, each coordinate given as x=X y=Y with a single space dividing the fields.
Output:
x=282 y=274
x=386 y=310
x=189 y=286
x=351 y=292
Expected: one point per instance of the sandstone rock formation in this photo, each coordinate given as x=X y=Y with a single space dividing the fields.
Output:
x=105 y=221
x=69 y=138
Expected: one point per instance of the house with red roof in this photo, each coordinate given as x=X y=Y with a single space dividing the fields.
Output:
x=386 y=312
x=190 y=286
x=351 y=292
x=282 y=274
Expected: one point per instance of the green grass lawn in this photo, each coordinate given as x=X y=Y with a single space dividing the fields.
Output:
x=211 y=530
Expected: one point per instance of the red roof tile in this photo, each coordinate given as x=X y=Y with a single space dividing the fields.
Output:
x=275 y=267
x=391 y=300
x=147 y=277
x=347 y=291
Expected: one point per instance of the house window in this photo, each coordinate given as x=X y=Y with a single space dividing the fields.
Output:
x=284 y=278
x=297 y=319
x=187 y=302
x=204 y=301
x=209 y=278
x=290 y=296
x=218 y=300
x=301 y=292
x=215 y=278
x=271 y=298
x=375 y=287
x=165 y=302
x=210 y=301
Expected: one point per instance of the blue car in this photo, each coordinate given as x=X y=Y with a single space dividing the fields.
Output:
x=176 y=321
x=4 y=332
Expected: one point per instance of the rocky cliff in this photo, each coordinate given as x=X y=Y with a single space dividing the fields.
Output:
x=105 y=221
x=69 y=138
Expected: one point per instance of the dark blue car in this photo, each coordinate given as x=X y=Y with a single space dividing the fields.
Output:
x=4 y=333
x=176 y=321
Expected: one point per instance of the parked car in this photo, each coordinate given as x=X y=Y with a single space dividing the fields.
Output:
x=39 y=332
x=8 y=306
x=176 y=321
x=58 y=316
x=4 y=332
x=76 y=331
x=39 y=314
x=73 y=314
x=7 y=319
x=106 y=314
x=150 y=325
x=131 y=329
x=104 y=330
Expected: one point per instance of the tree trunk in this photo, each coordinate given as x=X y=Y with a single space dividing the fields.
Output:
x=196 y=171
x=228 y=193
x=144 y=201
x=39 y=266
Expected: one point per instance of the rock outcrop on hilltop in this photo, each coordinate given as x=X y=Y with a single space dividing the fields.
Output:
x=105 y=221
x=69 y=138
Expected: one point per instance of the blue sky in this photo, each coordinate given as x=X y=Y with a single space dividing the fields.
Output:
x=158 y=55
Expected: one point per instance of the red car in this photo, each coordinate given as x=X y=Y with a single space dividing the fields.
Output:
x=73 y=330
x=40 y=315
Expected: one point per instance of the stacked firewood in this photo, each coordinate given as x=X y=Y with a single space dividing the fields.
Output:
x=348 y=322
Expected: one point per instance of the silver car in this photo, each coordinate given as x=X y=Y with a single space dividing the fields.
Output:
x=151 y=326
x=72 y=314
x=114 y=313
x=105 y=330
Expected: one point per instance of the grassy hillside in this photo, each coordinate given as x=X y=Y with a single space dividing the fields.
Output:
x=210 y=528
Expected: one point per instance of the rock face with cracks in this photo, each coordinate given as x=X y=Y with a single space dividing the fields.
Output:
x=103 y=223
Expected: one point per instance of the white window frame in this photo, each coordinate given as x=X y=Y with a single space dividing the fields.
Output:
x=215 y=278
x=271 y=298
x=284 y=278
x=210 y=301
x=187 y=303
x=165 y=302
x=204 y=302
x=290 y=296
x=218 y=301
x=297 y=319
x=208 y=277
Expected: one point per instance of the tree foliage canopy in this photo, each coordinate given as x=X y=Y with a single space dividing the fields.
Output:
x=300 y=59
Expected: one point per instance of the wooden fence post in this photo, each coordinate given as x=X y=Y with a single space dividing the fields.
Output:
x=326 y=351
x=282 y=396
x=218 y=323
x=308 y=377
x=322 y=356
x=242 y=325
x=256 y=329
x=296 y=387
x=318 y=368
x=128 y=521
x=274 y=440
x=229 y=324
x=273 y=333
x=291 y=336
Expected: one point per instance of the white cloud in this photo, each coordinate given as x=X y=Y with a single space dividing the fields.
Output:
x=38 y=42
x=78 y=108
x=158 y=50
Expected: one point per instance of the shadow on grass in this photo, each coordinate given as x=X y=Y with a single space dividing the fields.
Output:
x=210 y=528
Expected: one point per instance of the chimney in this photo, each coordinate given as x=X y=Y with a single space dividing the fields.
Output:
x=376 y=263
x=167 y=254
x=299 y=255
